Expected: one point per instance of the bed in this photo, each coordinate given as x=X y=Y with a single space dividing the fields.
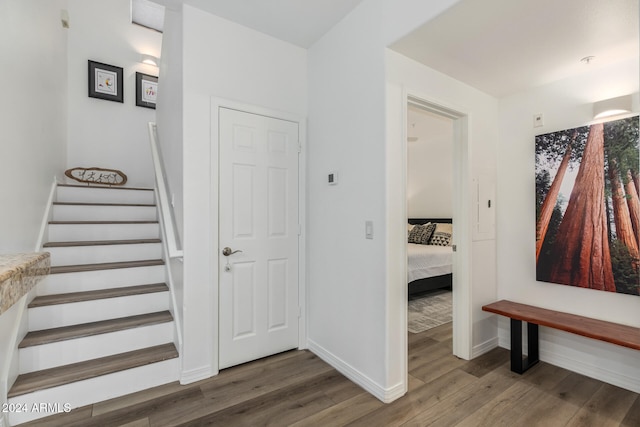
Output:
x=428 y=266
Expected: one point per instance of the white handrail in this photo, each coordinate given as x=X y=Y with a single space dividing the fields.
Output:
x=163 y=197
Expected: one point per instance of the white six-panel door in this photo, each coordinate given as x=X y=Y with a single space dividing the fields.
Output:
x=258 y=204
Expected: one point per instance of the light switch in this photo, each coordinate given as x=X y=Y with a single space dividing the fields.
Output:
x=332 y=178
x=368 y=229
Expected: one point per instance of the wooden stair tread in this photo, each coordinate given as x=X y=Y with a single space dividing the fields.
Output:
x=52 y=377
x=64 y=333
x=72 y=297
x=99 y=243
x=103 y=204
x=104 y=266
x=615 y=333
x=101 y=222
x=105 y=187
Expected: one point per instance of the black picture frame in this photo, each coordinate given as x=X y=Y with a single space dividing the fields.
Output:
x=146 y=90
x=105 y=82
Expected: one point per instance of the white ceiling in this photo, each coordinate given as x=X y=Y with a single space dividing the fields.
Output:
x=505 y=46
x=498 y=46
x=300 y=22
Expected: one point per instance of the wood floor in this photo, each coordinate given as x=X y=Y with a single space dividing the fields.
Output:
x=297 y=388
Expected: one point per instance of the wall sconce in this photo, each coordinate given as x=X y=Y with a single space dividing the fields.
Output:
x=150 y=60
x=612 y=107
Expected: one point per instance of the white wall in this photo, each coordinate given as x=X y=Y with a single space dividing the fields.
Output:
x=429 y=165
x=565 y=105
x=32 y=116
x=347 y=284
x=105 y=133
x=220 y=59
x=169 y=109
x=169 y=129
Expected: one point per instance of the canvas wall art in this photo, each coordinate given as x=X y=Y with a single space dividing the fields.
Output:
x=587 y=207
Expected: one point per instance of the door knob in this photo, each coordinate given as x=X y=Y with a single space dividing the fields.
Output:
x=228 y=251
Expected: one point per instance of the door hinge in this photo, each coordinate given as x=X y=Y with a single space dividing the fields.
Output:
x=299 y=147
x=299 y=229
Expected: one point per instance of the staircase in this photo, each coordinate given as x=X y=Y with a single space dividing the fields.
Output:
x=100 y=326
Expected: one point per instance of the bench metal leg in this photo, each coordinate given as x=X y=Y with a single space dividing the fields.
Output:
x=518 y=363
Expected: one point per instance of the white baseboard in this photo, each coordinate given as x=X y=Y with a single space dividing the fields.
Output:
x=582 y=355
x=482 y=348
x=193 y=375
x=386 y=395
x=591 y=370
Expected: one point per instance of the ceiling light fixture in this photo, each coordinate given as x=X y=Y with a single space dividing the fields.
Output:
x=612 y=107
x=587 y=59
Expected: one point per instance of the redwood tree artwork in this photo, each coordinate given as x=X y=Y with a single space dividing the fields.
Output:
x=588 y=213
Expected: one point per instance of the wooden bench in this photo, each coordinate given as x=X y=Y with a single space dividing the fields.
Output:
x=615 y=333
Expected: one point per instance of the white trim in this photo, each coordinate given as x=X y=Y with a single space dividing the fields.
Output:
x=386 y=395
x=198 y=374
x=590 y=370
x=46 y=217
x=550 y=337
x=462 y=307
x=485 y=347
x=169 y=278
x=2 y=423
x=216 y=104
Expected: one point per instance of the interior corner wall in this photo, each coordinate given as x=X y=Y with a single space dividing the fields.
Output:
x=169 y=109
x=564 y=105
x=404 y=74
x=226 y=60
x=105 y=133
x=33 y=48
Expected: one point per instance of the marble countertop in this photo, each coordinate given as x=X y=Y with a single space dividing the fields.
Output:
x=19 y=273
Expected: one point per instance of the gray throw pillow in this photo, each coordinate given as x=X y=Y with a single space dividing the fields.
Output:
x=421 y=234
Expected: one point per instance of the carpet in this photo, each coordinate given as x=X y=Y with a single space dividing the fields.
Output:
x=429 y=310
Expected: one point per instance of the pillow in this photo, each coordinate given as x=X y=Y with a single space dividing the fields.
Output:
x=442 y=234
x=421 y=233
x=410 y=227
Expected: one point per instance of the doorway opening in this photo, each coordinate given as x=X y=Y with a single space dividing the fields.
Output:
x=455 y=124
x=430 y=219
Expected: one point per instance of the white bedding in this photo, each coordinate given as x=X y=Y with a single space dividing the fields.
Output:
x=428 y=261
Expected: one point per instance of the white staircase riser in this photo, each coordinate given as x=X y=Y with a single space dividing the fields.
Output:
x=103 y=213
x=88 y=232
x=100 y=279
x=54 y=316
x=61 y=353
x=75 y=255
x=103 y=195
x=97 y=389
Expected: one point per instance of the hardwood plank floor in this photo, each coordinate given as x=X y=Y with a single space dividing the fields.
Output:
x=297 y=389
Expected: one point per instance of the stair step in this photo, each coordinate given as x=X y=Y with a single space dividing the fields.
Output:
x=99 y=243
x=72 y=297
x=47 y=336
x=102 y=204
x=104 y=266
x=94 y=211
x=100 y=222
x=53 y=377
x=105 y=187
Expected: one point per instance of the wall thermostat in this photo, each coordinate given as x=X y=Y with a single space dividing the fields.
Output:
x=332 y=178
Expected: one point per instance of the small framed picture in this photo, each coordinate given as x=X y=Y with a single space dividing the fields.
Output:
x=105 y=82
x=146 y=90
